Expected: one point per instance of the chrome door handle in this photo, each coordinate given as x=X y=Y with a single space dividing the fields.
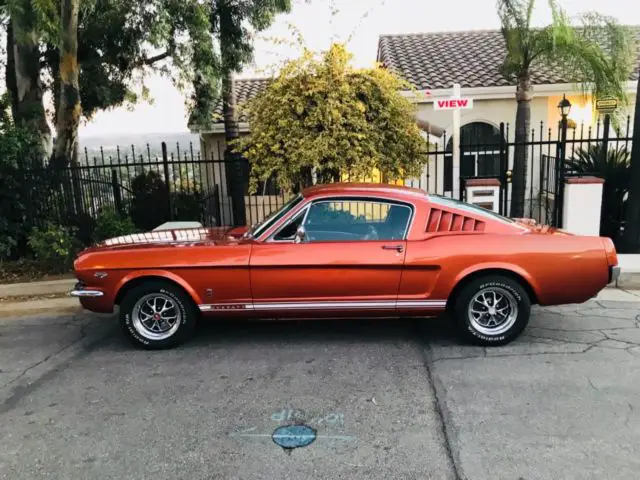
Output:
x=397 y=248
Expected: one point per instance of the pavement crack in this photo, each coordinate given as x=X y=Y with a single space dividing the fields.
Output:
x=558 y=340
x=629 y=413
x=439 y=406
x=45 y=359
x=592 y=385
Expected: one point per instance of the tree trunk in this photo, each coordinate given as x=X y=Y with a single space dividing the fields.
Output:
x=28 y=87
x=69 y=109
x=10 y=73
x=234 y=163
x=631 y=237
x=521 y=155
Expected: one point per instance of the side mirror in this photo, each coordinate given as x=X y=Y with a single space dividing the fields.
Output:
x=300 y=236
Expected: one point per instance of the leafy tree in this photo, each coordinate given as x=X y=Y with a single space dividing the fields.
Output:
x=597 y=55
x=119 y=42
x=325 y=116
x=23 y=78
x=14 y=203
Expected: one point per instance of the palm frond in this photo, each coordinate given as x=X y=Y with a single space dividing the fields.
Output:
x=597 y=55
x=614 y=166
x=515 y=20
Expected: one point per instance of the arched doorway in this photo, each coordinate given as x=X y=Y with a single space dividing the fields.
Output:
x=480 y=144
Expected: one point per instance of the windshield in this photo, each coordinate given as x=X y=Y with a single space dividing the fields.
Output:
x=469 y=207
x=259 y=228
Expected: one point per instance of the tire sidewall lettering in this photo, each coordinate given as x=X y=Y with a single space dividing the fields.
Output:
x=127 y=320
x=134 y=333
x=503 y=336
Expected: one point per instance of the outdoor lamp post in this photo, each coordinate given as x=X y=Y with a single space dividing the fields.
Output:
x=564 y=107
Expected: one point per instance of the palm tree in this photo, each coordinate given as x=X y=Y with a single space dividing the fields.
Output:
x=597 y=55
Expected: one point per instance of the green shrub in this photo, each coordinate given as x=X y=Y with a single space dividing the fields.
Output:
x=111 y=224
x=188 y=206
x=148 y=201
x=54 y=247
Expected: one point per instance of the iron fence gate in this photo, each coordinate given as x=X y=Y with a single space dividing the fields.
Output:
x=187 y=184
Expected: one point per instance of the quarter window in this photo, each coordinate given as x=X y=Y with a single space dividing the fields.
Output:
x=356 y=220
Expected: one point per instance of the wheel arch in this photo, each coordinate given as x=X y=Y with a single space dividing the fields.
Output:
x=519 y=276
x=133 y=280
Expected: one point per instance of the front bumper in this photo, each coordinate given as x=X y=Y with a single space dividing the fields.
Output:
x=86 y=293
x=79 y=290
x=614 y=273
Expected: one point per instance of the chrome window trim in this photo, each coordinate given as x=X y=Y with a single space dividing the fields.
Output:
x=402 y=203
x=272 y=238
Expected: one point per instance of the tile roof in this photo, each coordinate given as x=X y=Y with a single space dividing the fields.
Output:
x=435 y=60
x=470 y=58
x=246 y=89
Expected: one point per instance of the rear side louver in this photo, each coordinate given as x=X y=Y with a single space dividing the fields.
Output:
x=444 y=221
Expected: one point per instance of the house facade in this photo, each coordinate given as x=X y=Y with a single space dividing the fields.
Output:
x=433 y=63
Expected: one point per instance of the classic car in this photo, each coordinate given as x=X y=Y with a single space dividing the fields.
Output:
x=346 y=250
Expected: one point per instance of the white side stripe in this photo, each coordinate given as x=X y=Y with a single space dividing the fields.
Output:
x=328 y=305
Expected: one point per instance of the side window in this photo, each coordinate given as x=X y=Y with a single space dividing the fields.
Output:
x=288 y=232
x=353 y=220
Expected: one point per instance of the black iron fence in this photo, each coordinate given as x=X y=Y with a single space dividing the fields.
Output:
x=185 y=184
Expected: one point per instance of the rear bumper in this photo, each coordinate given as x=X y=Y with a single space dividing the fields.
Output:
x=614 y=273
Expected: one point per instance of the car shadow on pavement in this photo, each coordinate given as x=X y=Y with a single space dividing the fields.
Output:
x=217 y=332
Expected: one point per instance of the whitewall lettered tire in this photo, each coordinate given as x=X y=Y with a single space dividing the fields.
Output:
x=492 y=310
x=157 y=315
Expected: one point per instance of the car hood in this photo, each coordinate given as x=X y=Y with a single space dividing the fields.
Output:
x=179 y=237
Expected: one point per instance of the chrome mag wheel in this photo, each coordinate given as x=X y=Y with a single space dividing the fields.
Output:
x=493 y=311
x=156 y=316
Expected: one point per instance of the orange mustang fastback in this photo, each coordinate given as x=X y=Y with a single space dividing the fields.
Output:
x=346 y=250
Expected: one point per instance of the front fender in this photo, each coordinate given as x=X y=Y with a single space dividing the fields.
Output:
x=161 y=274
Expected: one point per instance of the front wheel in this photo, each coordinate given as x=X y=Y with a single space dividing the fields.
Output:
x=492 y=310
x=157 y=315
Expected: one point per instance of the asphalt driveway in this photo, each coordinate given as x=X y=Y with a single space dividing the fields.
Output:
x=388 y=399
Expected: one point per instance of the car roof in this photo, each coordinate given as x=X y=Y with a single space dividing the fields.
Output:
x=395 y=191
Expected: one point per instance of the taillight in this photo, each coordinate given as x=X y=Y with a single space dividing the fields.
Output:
x=610 y=250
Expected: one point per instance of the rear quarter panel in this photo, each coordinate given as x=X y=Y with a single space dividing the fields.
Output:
x=559 y=268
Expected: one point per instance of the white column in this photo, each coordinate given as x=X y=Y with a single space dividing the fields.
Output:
x=456 y=144
x=582 y=205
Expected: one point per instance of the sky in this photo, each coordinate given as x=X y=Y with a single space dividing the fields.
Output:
x=359 y=22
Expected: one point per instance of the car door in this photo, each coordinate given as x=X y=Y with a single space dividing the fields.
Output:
x=350 y=260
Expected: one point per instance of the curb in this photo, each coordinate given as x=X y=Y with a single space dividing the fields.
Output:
x=48 y=287
x=34 y=307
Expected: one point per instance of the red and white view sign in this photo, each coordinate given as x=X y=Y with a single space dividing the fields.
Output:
x=453 y=103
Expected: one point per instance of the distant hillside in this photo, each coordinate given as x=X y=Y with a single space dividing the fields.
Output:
x=147 y=144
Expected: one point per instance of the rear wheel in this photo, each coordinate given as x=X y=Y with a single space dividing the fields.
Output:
x=492 y=310
x=157 y=315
